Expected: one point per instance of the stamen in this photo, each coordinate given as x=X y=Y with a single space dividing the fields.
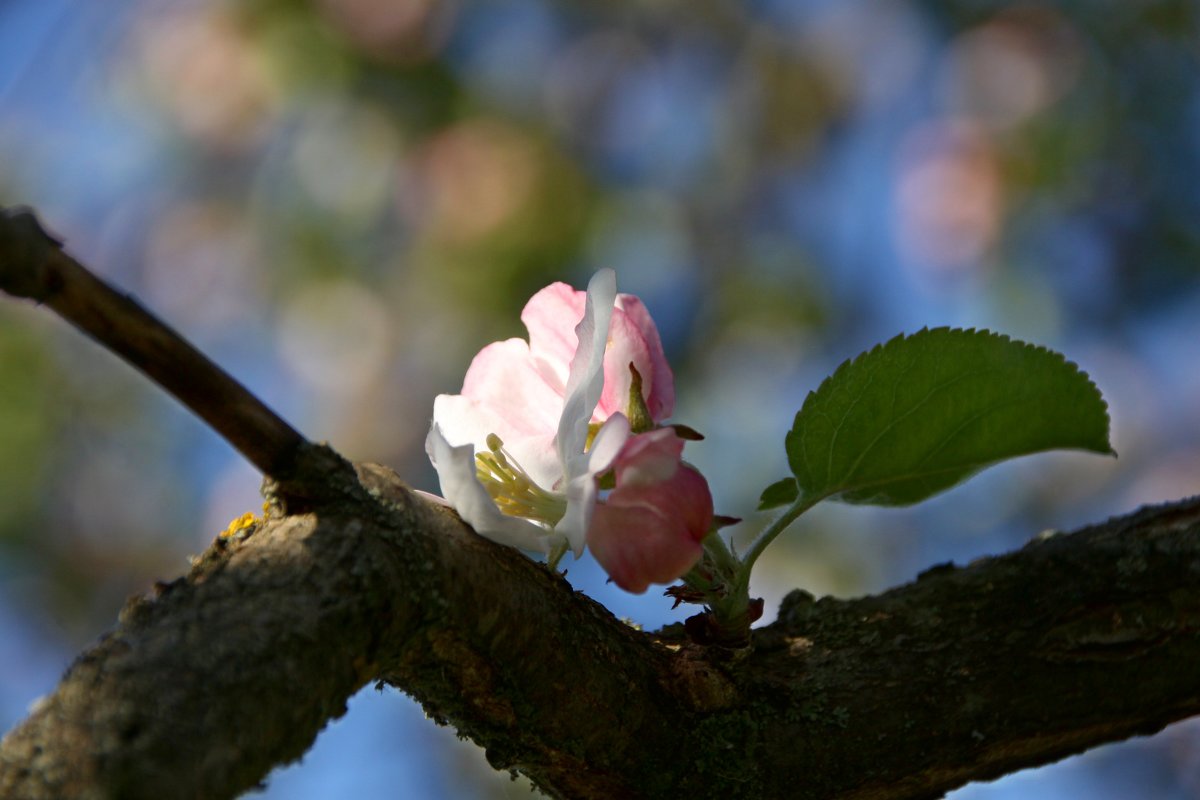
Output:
x=514 y=492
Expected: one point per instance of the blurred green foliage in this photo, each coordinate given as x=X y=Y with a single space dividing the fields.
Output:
x=343 y=200
x=25 y=426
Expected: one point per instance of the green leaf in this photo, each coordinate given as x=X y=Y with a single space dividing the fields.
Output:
x=919 y=414
x=780 y=493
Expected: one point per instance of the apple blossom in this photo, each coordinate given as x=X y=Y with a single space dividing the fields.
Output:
x=650 y=527
x=520 y=450
x=511 y=450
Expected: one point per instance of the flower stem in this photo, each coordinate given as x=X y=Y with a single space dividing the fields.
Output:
x=722 y=579
x=722 y=557
x=777 y=527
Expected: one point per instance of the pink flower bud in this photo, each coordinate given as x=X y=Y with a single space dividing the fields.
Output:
x=650 y=527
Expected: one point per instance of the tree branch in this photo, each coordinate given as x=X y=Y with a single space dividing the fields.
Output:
x=966 y=673
x=33 y=266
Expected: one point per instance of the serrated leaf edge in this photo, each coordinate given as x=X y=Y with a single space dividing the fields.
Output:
x=977 y=332
x=980 y=332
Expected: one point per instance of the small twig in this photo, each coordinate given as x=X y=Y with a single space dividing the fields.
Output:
x=34 y=266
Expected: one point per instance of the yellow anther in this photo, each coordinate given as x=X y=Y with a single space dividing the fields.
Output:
x=514 y=492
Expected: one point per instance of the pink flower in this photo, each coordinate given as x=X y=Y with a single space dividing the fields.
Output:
x=520 y=450
x=511 y=450
x=649 y=529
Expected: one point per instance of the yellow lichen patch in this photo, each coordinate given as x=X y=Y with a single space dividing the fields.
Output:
x=247 y=520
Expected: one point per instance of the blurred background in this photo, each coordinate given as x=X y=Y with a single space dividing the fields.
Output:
x=341 y=201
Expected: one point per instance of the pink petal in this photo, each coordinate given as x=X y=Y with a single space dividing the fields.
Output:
x=659 y=381
x=649 y=458
x=503 y=394
x=626 y=346
x=504 y=379
x=638 y=546
x=551 y=316
x=684 y=497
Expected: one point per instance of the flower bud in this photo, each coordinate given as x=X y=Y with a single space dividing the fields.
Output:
x=650 y=527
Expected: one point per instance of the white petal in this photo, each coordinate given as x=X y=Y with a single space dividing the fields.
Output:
x=466 y=421
x=608 y=443
x=586 y=379
x=456 y=473
x=581 y=481
x=581 y=503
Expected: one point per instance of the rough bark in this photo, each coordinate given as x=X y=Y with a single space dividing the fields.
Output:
x=210 y=681
x=966 y=673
